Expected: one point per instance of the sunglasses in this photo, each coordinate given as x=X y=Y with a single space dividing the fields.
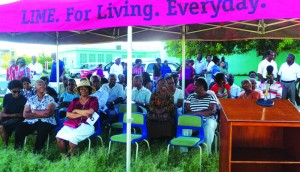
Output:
x=15 y=91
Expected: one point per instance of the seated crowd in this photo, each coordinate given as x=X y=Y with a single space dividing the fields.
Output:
x=27 y=109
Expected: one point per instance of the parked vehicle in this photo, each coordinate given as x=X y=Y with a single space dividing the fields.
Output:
x=75 y=72
x=148 y=66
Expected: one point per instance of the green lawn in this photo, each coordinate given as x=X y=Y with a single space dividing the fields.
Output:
x=97 y=160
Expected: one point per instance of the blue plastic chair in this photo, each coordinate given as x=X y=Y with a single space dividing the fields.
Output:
x=122 y=111
x=98 y=131
x=139 y=121
x=189 y=122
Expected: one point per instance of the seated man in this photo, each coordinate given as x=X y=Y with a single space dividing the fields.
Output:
x=49 y=90
x=177 y=93
x=234 y=89
x=66 y=97
x=140 y=94
x=39 y=116
x=102 y=96
x=116 y=95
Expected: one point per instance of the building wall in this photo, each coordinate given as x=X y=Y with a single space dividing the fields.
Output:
x=78 y=56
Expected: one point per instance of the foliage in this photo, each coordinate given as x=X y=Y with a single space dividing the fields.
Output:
x=193 y=48
x=97 y=160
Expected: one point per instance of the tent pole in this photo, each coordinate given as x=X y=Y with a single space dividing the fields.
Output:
x=129 y=86
x=57 y=63
x=183 y=58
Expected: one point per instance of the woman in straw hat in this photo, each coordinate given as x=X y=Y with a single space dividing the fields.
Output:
x=80 y=108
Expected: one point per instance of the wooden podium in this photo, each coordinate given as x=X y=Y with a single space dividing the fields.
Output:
x=259 y=139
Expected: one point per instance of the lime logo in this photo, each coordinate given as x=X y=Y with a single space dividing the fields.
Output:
x=2 y=2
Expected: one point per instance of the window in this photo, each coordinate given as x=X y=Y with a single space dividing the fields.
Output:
x=83 y=58
x=109 y=57
x=100 y=58
x=92 y=58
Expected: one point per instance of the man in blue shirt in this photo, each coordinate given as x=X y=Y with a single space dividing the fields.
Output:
x=165 y=69
x=53 y=68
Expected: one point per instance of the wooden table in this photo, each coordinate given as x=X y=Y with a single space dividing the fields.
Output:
x=259 y=139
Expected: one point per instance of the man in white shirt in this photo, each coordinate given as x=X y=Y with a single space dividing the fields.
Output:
x=117 y=67
x=289 y=75
x=262 y=66
x=140 y=94
x=102 y=95
x=234 y=89
x=115 y=92
x=200 y=67
x=36 y=69
x=209 y=65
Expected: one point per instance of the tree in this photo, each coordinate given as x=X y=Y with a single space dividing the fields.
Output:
x=193 y=48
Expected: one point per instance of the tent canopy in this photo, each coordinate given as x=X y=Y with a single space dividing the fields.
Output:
x=241 y=30
x=90 y=21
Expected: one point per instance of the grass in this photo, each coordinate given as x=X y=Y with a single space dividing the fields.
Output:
x=97 y=160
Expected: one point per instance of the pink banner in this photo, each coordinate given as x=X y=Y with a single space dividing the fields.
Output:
x=66 y=15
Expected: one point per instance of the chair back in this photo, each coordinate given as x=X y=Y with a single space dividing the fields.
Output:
x=123 y=109
x=193 y=122
x=58 y=120
x=98 y=128
x=138 y=121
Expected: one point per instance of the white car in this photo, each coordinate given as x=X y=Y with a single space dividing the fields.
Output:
x=148 y=66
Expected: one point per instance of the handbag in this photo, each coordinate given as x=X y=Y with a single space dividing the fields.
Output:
x=73 y=123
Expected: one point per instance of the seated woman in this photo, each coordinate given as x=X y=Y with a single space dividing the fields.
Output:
x=66 y=97
x=80 y=108
x=27 y=91
x=221 y=88
x=248 y=92
x=12 y=110
x=202 y=103
x=161 y=116
x=39 y=116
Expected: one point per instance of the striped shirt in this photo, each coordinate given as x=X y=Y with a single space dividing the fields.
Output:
x=275 y=90
x=200 y=104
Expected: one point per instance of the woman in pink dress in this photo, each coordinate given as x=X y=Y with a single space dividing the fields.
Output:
x=23 y=70
x=11 y=71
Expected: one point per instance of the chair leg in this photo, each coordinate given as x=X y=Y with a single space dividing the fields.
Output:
x=168 y=149
x=109 y=132
x=206 y=148
x=136 y=151
x=200 y=153
x=147 y=144
x=48 y=140
x=109 y=145
x=89 y=147
x=25 y=141
x=101 y=140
